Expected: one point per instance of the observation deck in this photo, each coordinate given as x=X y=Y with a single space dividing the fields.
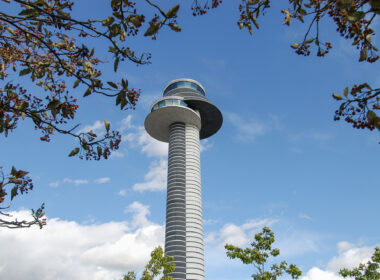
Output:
x=183 y=101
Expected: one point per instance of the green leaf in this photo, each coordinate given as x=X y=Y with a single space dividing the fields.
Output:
x=10 y=30
x=107 y=125
x=25 y=71
x=354 y=16
x=74 y=152
x=367 y=86
x=337 y=96
x=344 y=4
x=28 y=12
x=172 y=12
x=174 y=27
x=13 y=171
x=54 y=104
x=21 y=173
x=295 y=45
x=345 y=92
x=14 y=192
x=375 y=5
x=371 y=115
x=118 y=99
x=14 y=180
x=136 y=20
x=363 y=54
x=115 y=4
x=87 y=92
x=116 y=64
x=255 y=23
x=124 y=83
x=112 y=84
x=153 y=28
x=99 y=151
x=76 y=83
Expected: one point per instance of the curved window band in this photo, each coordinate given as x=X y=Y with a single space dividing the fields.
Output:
x=169 y=102
x=184 y=84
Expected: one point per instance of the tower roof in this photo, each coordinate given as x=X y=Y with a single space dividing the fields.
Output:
x=184 y=83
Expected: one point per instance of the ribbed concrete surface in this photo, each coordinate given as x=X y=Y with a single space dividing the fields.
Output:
x=194 y=221
x=175 y=235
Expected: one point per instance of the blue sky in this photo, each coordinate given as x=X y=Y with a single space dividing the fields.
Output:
x=279 y=159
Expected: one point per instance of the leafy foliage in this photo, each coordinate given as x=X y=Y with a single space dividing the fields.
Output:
x=258 y=255
x=354 y=20
x=17 y=182
x=369 y=271
x=159 y=265
x=41 y=41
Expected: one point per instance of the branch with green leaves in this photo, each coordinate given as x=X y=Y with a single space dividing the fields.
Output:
x=17 y=183
x=359 y=106
x=258 y=255
x=160 y=265
x=44 y=43
x=368 y=271
x=354 y=20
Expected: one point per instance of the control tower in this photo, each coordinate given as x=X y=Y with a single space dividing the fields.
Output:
x=181 y=118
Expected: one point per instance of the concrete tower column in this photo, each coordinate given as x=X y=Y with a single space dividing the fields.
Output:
x=194 y=219
x=182 y=117
x=175 y=231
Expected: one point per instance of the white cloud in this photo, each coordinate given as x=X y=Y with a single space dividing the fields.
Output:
x=123 y=193
x=117 y=154
x=76 y=182
x=210 y=237
x=304 y=216
x=155 y=179
x=291 y=243
x=313 y=136
x=239 y=235
x=205 y=145
x=126 y=123
x=317 y=274
x=140 y=211
x=150 y=146
x=96 y=127
x=258 y=223
x=54 y=184
x=233 y=234
x=67 y=250
x=344 y=246
x=298 y=242
x=348 y=257
x=249 y=128
x=102 y=180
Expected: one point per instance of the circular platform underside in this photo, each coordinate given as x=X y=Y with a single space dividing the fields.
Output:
x=211 y=117
x=157 y=123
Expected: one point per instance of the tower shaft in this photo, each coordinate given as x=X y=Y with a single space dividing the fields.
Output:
x=184 y=230
x=181 y=117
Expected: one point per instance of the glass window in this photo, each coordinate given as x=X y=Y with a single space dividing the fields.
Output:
x=169 y=102
x=185 y=84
